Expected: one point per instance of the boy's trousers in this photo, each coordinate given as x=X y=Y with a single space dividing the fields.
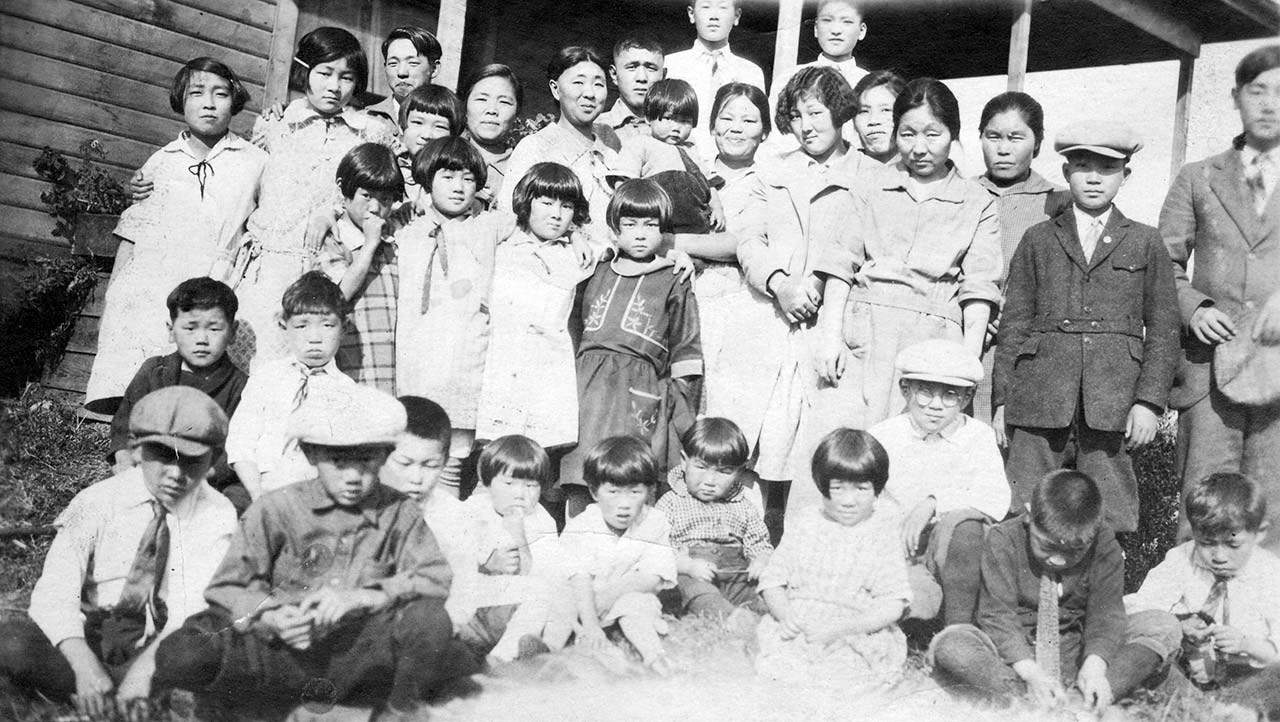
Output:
x=1100 y=454
x=31 y=662
x=730 y=588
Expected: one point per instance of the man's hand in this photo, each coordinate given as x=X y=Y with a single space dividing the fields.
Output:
x=913 y=526
x=998 y=425
x=830 y=359
x=797 y=300
x=1211 y=326
x=93 y=691
x=140 y=187
x=275 y=112
x=290 y=624
x=684 y=265
x=1092 y=683
x=1141 y=426
x=1266 y=327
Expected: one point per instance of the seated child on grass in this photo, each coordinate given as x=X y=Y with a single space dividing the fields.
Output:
x=130 y=563
x=359 y=254
x=618 y=550
x=1050 y=612
x=946 y=474
x=1224 y=589
x=336 y=577
x=509 y=598
x=721 y=537
x=837 y=584
x=312 y=317
x=202 y=319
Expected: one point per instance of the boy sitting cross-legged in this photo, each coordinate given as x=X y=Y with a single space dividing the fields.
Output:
x=1224 y=590
x=335 y=578
x=1051 y=610
x=723 y=542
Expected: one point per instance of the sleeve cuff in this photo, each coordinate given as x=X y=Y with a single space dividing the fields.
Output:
x=688 y=367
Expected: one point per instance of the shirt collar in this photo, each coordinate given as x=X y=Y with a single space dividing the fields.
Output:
x=228 y=142
x=950 y=189
x=704 y=50
x=136 y=494
x=824 y=62
x=317 y=499
x=947 y=433
x=1032 y=184
x=330 y=368
x=1084 y=220
x=1248 y=154
x=300 y=112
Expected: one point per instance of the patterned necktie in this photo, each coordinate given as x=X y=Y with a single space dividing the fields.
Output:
x=305 y=386
x=1217 y=596
x=1254 y=176
x=439 y=252
x=1090 y=241
x=1047 y=632
x=142 y=586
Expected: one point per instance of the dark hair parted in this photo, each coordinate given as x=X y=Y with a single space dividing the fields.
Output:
x=549 y=180
x=1067 y=505
x=675 y=98
x=435 y=100
x=178 y=93
x=570 y=56
x=637 y=41
x=328 y=45
x=312 y=293
x=424 y=42
x=1025 y=105
x=717 y=441
x=426 y=419
x=202 y=294
x=452 y=153
x=934 y=95
x=890 y=79
x=497 y=70
x=1256 y=63
x=1225 y=503
x=639 y=198
x=516 y=456
x=753 y=94
x=621 y=461
x=823 y=84
x=850 y=455
x=372 y=167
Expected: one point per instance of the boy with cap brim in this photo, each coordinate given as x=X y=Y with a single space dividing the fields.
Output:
x=130 y=563
x=335 y=578
x=946 y=474
x=1088 y=339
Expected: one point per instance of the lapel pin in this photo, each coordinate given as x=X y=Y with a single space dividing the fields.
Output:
x=1106 y=239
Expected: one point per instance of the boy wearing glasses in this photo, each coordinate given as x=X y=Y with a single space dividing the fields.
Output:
x=946 y=473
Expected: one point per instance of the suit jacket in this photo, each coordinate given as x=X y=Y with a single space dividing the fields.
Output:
x=1104 y=329
x=1209 y=213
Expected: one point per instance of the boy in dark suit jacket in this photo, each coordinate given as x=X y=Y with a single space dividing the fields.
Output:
x=1089 y=334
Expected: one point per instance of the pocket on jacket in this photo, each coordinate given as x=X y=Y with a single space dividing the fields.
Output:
x=1135 y=349
x=1029 y=347
x=1132 y=264
x=857 y=327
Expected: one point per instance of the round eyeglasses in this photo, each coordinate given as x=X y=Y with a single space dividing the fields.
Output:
x=925 y=395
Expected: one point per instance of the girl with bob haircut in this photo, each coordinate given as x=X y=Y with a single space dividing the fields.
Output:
x=203 y=186
x=642 y=384
x=298 y=200
x=843 y=558
x=492 y=99
x=530 y=386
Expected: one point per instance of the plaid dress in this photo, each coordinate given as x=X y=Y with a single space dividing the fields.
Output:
x=368 y=349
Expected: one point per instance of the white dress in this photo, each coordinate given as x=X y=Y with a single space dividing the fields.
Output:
x=195 y=209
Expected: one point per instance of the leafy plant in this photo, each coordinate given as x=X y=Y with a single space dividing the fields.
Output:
x=84 y=188
x=38 y=329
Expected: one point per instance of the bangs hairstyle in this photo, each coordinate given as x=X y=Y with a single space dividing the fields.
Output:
x=516 y=456
x=1067 y=505
x=434 y=100
x=717 y=441
x=892 y=80
x=1256 y=63
x=850 y=455
x=753 y=94
x=621 y=461
x=934 y=95
x=549 y=180
x=1024 y=105
x=671 y=97
x=639 y=198
x=312 y=293
x=637 y=41
x=424 y=42
x=328 y=45
x=1222 y=504
x=570 y=56
x=202 y=294
x=497 y=70
x=426 y=419
x=452 y=153
x=178 y=93
x=372 y=167
x=823 y=84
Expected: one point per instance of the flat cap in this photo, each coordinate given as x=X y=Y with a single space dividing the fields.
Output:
x=941 y=361
x=347 y=415
x=182 y=418
x=1109 y=139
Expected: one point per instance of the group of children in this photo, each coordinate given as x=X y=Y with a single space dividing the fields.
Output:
x=437 y=337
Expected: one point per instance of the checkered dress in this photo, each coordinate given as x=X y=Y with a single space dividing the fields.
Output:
x=731 y=521
x=368 y=350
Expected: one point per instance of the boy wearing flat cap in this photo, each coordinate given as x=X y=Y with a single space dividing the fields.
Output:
x=946 y=473
x=1088 y=339
x=335 y=579
x=129 y=565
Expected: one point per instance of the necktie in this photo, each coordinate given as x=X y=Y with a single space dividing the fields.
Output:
x=439 y=252
x=1090 y=240
x=1201 y=658
x=1217 y=596
x=1047 y=632
x=1254 y=176
x=715 y=57
x=142 y=586
x=304 y=386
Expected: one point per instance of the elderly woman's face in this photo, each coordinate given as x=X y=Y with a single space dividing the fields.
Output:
x=491 y=108
x=738 y=129
x=581 y=92
x=330 y=86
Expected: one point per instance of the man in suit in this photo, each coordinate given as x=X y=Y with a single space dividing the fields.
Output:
x=1224 y=210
